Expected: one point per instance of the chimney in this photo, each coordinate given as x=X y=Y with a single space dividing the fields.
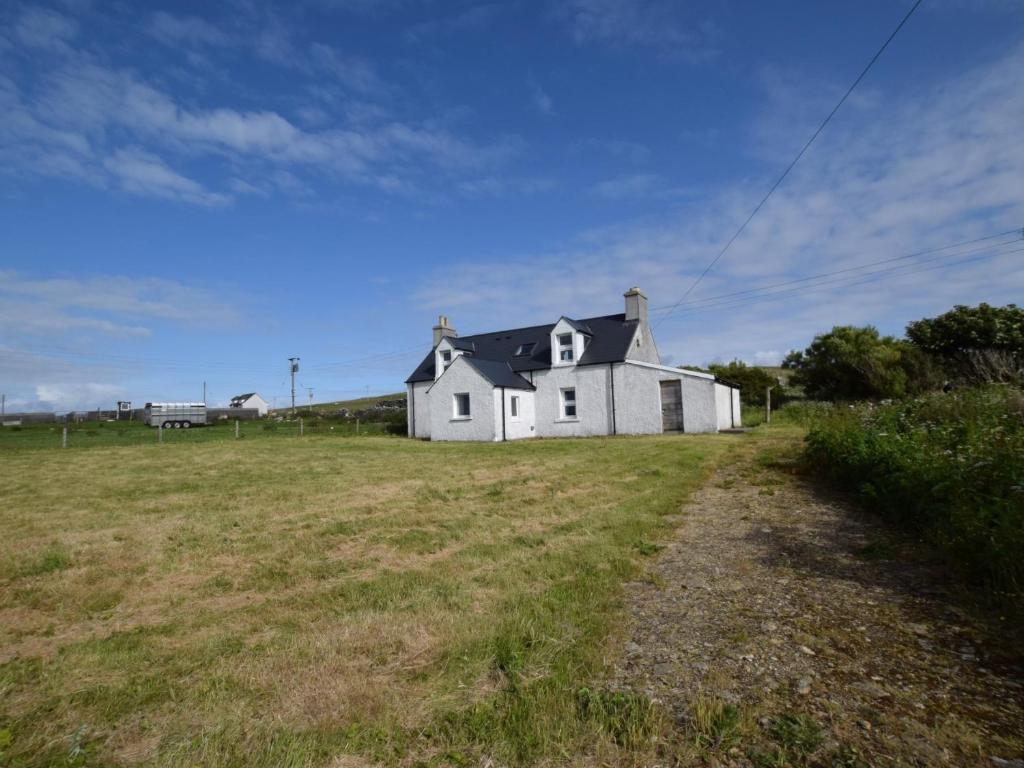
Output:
x=636 y=305
x=442 y=329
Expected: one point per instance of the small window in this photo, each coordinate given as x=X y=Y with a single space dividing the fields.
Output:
x=525 y=349
x=569 y=403
x=565 y=350
x=461 y=405
x=514 y=406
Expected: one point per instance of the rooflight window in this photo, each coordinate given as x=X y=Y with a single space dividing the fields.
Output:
x=525 y=349
x=565 y=350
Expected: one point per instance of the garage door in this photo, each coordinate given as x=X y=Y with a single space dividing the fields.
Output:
x=672 y=405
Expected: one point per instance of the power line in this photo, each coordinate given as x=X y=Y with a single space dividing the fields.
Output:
x=851 y=281
x=865 y=265
x=795 y=160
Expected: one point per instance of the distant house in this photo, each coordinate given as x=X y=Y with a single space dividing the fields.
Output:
x=571 y=378
x=250 y=400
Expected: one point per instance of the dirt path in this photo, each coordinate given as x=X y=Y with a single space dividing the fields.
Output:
x=782 y=627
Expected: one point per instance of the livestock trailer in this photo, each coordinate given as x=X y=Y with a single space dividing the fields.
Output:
x=176 y=415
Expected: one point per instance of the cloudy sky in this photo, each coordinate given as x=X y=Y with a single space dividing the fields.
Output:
x=197 y=191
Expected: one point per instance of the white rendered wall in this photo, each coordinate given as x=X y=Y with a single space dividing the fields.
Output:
x=461 y=377
x=642 y=346
x=525 y=424
x=737 y=417
x=418 y=408
x=723 y=405
x=258 y=403
x=593 y=401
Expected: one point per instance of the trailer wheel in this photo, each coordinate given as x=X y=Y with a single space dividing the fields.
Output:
x=168 y=424
x=177 y=425
x=186 y=424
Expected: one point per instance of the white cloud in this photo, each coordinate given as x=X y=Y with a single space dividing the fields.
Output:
x=893 y=176
x=658 y=25
x=46 y=29
x=146 y=174
x=542 y=101
x=191 y=30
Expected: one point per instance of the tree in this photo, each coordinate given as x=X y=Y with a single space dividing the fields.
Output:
x=983 y=343
x=851 y=363
x=751 y=380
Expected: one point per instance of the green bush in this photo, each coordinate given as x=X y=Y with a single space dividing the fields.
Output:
x=948 y=466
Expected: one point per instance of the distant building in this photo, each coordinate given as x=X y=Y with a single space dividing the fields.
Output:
x=251 y=400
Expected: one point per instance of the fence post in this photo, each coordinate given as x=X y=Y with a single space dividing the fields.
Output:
x=64 y=438
x=357 y=425
x=768 y=405
x=236 y=429
x=300 y=426
x=160 y=433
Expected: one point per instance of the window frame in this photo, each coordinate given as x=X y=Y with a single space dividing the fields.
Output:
x=513 y=407
x=564 y=348
x=456 y=415
x=565 y=404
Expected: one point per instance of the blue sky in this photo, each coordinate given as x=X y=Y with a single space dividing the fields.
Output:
x=198 y=191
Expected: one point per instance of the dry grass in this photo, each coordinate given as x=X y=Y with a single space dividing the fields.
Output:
x=320 y=602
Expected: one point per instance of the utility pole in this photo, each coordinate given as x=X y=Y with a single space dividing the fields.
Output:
x=294 y=364
x=310 y=390
x=204 y=392
x=3 y=407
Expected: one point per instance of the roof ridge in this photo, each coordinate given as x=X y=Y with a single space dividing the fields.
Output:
x=543 y=325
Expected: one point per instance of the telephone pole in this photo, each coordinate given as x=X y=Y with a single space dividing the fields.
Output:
x=294 y=361
x=310 y=390
x=204 y=393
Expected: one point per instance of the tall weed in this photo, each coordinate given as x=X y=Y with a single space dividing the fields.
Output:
x=948 y=466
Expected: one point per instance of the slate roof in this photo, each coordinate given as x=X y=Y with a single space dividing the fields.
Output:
x=499 y=374
x=609 y=342
x=241 y=398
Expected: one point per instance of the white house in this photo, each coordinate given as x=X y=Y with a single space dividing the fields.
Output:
x=570 y=378
x=250 y=400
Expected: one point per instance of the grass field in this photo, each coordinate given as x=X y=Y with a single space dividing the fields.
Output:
x=316 y=601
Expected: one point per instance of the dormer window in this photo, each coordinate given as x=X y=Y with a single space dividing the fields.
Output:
x=565 y=347
x=523 y=350
x=446 y=357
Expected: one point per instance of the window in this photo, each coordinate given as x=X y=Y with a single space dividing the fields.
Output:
x=446 y=356
x=565 y=351
x=461 y=401
x=514 y=406
x=525 y=349
x=569 y=403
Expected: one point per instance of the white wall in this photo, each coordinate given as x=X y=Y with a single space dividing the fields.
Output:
x=642 y=346
x=462 y=377
x=418 y=409
x=593 y=401
x=258 y=403
x=723 y=405
x=737 y=412
x=519 y=428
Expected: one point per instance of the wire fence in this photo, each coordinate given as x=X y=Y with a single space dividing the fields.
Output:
x=114 y=434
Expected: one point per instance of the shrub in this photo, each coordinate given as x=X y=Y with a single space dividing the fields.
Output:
x=948 y=466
